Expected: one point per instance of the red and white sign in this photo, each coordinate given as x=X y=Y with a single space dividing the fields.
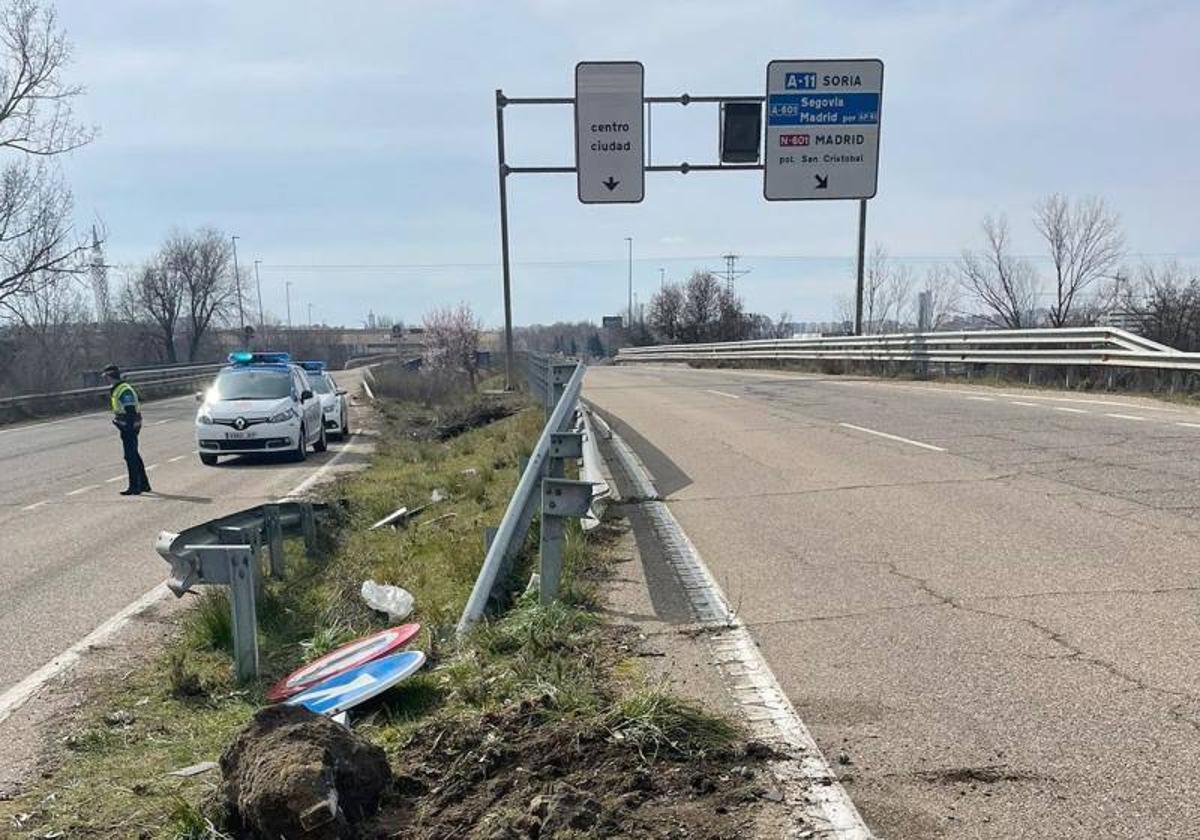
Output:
x=793 y=139
x=343 y=659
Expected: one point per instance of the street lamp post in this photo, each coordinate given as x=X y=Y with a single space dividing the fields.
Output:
x=237 y=281
x=258 y=284
x=310 y=320
x=287 y=290
x=662 y=278
x=629 y=239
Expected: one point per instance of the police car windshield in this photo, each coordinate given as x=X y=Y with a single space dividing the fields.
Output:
x=253 y=385
x=321 y=384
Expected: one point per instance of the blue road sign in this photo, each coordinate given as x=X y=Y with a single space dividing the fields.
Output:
x=352 y=687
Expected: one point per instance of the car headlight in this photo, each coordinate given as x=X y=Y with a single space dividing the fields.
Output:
x=204 y=418
x=282 y=417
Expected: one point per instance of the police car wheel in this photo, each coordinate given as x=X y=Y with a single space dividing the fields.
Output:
x=322 y=442
x=345 y=425
x=208 y=460
x=300 y=453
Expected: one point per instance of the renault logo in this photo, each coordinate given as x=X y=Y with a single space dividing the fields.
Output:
x=239 y=423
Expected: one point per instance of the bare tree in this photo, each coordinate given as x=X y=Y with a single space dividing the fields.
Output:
x=37 y=246
x=701 y=307
x=48 y=322
x=1166 y=302
x=157 y=295
x=887 y=293
x=202 y=264
x=1085 y=243
x=1003 y=284
x=453 y=339
x=666 y=312
x=944 y=294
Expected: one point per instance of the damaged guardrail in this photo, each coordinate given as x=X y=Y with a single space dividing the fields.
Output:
x=228 y=552
x=557 y=381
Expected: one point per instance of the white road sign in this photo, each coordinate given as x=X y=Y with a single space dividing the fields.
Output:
x=822 y=129
x=609 y=131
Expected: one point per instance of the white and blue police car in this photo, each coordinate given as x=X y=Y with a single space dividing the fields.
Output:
x=260 y=402
x=335 y=410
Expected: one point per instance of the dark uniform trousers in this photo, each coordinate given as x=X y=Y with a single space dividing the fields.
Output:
x=138 y=480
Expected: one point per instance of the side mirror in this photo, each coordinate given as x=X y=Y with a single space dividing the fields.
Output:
x=199 y=396
x=305 y=396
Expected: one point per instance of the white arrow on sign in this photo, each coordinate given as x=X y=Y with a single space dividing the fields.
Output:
x=359 y=682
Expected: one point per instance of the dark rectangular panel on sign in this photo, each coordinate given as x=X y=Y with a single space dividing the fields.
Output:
x=741 y=130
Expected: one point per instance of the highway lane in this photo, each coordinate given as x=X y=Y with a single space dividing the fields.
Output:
x=73 y=552
x=985 y=599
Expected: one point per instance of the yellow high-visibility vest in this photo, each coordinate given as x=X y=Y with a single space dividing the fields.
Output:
x=120 y=391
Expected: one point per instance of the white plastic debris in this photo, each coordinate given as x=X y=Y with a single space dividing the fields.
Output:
x=393 y=600
x=436 y=496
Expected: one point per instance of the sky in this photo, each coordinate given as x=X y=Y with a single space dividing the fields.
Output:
x=351 y=146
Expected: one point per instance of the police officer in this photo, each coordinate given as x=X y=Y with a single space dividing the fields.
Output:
x=127 y=417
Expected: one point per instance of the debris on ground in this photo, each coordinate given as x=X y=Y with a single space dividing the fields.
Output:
x=384 y=598
x=194 y=769
x=529 y=772
x=292 y=773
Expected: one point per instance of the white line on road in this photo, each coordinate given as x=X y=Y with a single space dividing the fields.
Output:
x=83 y=490
x=152 y=467
x=12 y=699
x=722 y=394
x=176 y=458
x=160 y=422
x=982 y=399
x=892 y=437
x=36 y=505
x=367 y=388
x=114 y=479
x=1124 y=417
x=1189 y=425
x=1027 y=405
x=1070 y=410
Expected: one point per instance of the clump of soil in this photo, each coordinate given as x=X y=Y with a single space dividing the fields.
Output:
x=523 y=774
x=292 y=773
x=472 y=416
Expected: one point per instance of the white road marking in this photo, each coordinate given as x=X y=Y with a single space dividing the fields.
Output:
x=810 y=785
x=12 y=699
x=176 y=458
x=115 y=478
x=1027 y=405
x=1189 y=425
x=722 y=394
x=83 y=490
x=929 y=446
x=1124 y=417
x=160 y=422
x=74 y=417
x=1070 y=410
x=367 y=388
x=152 y=467
x=36 y=505
x=982 y=399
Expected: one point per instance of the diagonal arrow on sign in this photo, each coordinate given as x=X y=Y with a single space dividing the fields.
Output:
x=822 y=181
x=360 y=682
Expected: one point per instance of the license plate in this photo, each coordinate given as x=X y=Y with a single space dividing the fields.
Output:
x=239 y=435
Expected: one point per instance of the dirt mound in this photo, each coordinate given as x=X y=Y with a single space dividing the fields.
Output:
x=525 y=775
x=292 y=773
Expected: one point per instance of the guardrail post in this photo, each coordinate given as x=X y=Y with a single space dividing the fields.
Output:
x=563 y=445
x=308 y=522
x=560 y=375
x=236 y=567
x=561 y=500
x=274 y=532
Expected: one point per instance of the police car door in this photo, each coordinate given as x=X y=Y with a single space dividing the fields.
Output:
x=311 y=408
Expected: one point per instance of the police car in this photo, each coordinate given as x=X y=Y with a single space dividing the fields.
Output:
x=260 y=402
x=334 y=408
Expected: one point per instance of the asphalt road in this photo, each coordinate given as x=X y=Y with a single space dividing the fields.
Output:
x=983 y=601
x=73 y=552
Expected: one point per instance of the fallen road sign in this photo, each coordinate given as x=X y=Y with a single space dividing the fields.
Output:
x=348 y=656
x=349 y=688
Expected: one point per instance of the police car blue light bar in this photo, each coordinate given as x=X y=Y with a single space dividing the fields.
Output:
x=243 y=357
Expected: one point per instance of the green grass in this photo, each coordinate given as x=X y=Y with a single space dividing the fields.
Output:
x=112 y=780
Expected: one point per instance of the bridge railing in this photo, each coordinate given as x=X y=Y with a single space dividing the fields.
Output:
x=1079 y=346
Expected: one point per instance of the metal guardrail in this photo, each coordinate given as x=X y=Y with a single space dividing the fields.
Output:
x=1081 y=346
x=228 y=551
x=146 y=378
x=557 y=382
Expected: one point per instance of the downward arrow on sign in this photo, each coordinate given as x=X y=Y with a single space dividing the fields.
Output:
x=611 y=183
